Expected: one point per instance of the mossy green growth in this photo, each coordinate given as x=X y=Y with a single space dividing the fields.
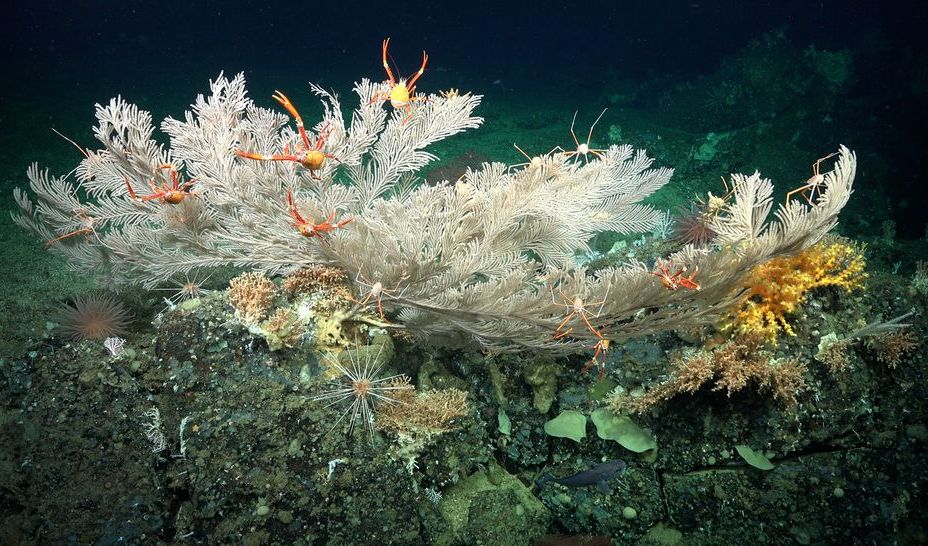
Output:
x=543 y=379
x=602 y=388
x=621 y=429
x=754 y=458
x=569 y=424
x=493 y=507
x=662 y=535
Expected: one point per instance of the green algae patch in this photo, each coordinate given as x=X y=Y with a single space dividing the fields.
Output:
x=569 y=424
x=493 y=507
x=503 y=422
x=754 y=458
x=621 y=429
x=662 y=535
x=602 y=388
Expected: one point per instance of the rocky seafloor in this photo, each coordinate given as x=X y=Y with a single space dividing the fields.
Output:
x=249 y=456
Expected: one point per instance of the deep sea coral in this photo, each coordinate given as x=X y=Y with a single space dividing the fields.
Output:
x=252 y=295
x=432 y=411
x=778 y=287
x=731 y=367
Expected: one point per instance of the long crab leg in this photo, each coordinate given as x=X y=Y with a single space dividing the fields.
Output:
x=412 y=80
x=265 y=157
x=386 y=65
x=294 y=213
x=589 y=137
x=285 y=102
x=79 y=231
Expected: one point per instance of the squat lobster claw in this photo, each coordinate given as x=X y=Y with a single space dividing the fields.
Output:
x=401 y=93
x=309 y=229
x=310 y=155
x=172 y=194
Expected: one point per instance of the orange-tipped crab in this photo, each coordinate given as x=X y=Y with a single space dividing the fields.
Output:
x=401 y=92
x=673 y=281
x=172 y=194
x=309 y=229
x=310 y=155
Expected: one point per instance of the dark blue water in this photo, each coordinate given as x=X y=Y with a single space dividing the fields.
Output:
x=60 y=58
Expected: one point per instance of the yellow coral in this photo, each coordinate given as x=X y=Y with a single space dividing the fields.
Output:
x=777 y=288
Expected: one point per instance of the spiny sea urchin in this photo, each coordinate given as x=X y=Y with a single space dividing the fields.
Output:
x=359 y=388
x=692 y=227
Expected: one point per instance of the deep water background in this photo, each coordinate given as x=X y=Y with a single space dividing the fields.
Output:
x=60 y=58
x=539 y=60
x=708 y=88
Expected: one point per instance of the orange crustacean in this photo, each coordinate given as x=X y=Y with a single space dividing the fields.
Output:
x=401 y=93
x=172 y=194
x=310 y=155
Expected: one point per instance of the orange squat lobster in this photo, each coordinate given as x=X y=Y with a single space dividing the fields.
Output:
x=673 y=281
x=310 y=156
x=401 y=92
x=309 y=229
x=172 y=194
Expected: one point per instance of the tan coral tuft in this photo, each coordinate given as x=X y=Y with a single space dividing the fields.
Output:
x=252 y=295
x=434 y=411
x=731 y=366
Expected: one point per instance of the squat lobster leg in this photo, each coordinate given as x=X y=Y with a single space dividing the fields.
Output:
x=599 y=357
x=172 y=194
x=309 y=229
x=309 y=155
x=577 y=308
x=812 y=184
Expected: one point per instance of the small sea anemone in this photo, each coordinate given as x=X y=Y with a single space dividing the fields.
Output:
x=190 y=288
x=692 y=227
x=93 y=316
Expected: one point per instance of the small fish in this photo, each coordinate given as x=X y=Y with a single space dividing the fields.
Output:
x=599 y=475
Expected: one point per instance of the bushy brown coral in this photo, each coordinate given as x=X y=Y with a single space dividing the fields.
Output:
x=434 y=411
x=283 y=329
x=94 y=316
x=252 y=295
x=731 y=366
x=892 y=347
x=312 y=278
x=835 y=354
x=331 y=281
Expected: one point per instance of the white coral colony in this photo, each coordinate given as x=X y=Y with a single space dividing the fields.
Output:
x=483 y=258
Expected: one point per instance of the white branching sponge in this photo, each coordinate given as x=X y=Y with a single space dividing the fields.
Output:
x=487 y=257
